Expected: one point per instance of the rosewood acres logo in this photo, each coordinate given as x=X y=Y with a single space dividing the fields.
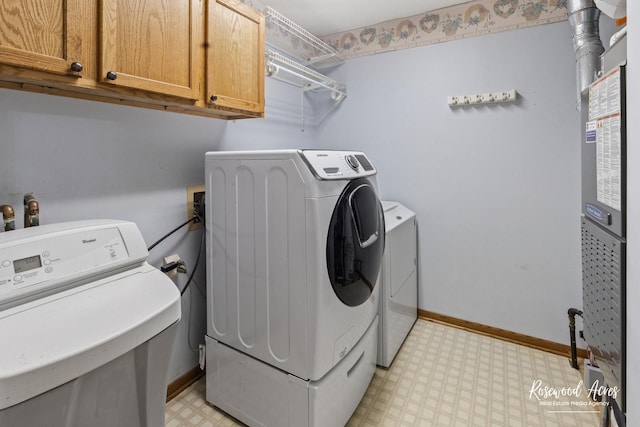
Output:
x=571 y=397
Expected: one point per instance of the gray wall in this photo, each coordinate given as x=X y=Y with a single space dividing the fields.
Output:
x=87 y=160
x=496 y=188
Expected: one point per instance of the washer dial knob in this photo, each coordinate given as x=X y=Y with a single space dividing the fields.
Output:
x=352 y=162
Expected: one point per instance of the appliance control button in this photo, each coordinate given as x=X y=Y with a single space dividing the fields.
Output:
x=6 y=263
x=352 y=162
x=46 y=254
x=48 y=270
x=17 y=278
x=46 y=262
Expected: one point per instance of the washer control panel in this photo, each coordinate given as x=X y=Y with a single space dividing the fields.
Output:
x=46 y=261
x=333 y=165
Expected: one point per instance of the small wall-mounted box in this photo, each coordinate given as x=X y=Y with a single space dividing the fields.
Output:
x=482 y=98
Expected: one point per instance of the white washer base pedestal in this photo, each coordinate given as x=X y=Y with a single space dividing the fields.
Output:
x=260 y=395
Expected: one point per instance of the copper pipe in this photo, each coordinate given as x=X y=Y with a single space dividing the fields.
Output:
x=9 y=217
x=31 y=211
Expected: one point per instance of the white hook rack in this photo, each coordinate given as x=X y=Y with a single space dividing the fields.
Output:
x=482 y=98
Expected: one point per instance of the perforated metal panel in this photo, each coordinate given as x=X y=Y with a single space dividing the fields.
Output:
x=603 y=290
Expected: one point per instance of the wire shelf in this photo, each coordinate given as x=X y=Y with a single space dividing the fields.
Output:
x=286 y=35
x=301 y=76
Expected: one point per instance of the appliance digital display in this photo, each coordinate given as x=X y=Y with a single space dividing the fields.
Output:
x=26 y=264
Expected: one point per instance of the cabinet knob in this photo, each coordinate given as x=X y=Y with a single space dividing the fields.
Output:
x=76 y=67
x=214 y=98
x=112 y=75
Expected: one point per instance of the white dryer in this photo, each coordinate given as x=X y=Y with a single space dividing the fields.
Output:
x=294 y=247
x=398 y=281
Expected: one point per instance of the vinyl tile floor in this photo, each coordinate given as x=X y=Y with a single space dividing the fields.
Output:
x=444 y=376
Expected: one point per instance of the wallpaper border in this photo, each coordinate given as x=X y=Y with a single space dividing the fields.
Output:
x=470 y=19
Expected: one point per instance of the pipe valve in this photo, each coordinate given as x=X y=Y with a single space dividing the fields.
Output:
x=8 y=217
x=31 y=211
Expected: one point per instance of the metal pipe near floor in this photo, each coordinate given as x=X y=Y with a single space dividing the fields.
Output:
x=605 y=412
x=572 y=333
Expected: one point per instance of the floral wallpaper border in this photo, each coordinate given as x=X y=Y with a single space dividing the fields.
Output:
x=452 y=23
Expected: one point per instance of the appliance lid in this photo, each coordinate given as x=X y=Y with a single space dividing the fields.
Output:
x=395 y=214
x=50 y=341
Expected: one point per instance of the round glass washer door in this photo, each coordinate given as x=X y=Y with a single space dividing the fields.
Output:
x=355 y=243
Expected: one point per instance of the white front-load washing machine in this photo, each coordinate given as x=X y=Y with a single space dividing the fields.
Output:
x=294 y=247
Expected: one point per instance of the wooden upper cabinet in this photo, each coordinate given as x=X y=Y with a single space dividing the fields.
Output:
x=151 y=45
x=235 y=56
x=42 y=35
x=203 y=57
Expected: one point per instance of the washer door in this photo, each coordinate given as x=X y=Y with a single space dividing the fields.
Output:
x=355 y=243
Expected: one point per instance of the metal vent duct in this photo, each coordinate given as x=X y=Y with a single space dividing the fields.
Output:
x=583 y=15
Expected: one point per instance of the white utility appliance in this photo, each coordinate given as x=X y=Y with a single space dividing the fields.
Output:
x=294 y=246
x=398 y=281
x=86 y=327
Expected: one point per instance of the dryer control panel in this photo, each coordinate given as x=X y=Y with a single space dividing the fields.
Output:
x=47 y=259
x=336 y=165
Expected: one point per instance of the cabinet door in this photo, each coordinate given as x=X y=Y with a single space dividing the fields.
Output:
x=151 y=45
x=235 y=56
x=42 y=35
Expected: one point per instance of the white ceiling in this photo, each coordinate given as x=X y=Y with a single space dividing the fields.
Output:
x=323 y=17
